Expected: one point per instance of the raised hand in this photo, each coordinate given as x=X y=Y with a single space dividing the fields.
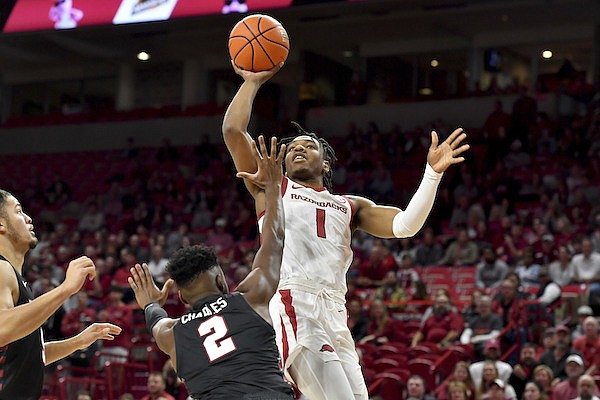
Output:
x=270 y=170
x=259 y=77
x=78 y=270
x=145 y=289
x=448 y=152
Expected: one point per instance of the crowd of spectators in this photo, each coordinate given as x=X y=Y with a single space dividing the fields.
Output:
x=522 y=210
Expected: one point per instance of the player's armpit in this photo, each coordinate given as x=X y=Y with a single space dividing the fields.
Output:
x=163 y=334
x=255 y=287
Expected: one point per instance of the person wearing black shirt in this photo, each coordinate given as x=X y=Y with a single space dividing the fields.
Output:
x=224 y=347
x=23 y=352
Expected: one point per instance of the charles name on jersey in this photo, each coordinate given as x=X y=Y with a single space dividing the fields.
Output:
x=209 y=309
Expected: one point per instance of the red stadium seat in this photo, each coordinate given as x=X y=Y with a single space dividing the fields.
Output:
x=423 y=368
x=69 y=387
x=126 y=377
x=383 y=364
x=387 y=386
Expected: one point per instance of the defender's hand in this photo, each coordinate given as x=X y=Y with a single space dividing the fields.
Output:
x=78 y=270
x=144 y=287
x=98 y=330
x=270 y=164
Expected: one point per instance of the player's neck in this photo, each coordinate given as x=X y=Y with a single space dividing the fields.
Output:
x=315 y=183
x=193 y=299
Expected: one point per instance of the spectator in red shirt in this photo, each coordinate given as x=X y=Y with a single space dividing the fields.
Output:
x=507 y=304
x=156 y=387
x=373 y=269
x=567 y=389
x=119 y=313
x=79 y=317
x=443 y=327
x=589 y=344
x=382 y=328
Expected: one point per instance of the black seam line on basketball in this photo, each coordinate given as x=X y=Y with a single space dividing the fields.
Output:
x=274 y=42
x=254 y=37
x=259 y=43
x=267 y=39
x=260 y=33
x=243 y=47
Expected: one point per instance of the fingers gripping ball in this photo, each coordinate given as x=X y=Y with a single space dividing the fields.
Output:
x=258 y=43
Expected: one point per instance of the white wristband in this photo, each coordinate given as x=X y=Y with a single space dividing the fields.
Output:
x=408 y=222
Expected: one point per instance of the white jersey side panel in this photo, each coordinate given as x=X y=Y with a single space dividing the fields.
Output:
x=317 y=236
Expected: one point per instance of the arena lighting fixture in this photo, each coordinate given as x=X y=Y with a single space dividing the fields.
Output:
x=547 y=54
x=425 y=91
x=434 y=63
x=143 y=56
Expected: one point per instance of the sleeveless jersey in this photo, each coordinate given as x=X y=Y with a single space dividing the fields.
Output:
x=21 y=362
x=318 y=236
x=225 y=351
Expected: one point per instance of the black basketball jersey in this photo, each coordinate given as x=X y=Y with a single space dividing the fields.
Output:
x=21 y=363
x=225 y=350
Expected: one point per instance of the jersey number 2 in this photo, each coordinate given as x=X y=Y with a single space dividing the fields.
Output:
x=321 y=223
x=216 y=328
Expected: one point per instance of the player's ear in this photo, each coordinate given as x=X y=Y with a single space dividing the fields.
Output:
x=181 y=297
x=221 y=284
x=326 y=167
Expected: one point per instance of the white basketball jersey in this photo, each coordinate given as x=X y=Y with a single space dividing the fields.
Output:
x=317 y=235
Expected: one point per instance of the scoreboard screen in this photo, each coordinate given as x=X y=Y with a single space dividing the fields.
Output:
x=39 y=15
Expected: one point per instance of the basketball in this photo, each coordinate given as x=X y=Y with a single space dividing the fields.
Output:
x=258 y=43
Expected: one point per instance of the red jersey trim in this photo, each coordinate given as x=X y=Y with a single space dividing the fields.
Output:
x=284 y=342
x=290 y=311
x=284 y=184
x=352 y=210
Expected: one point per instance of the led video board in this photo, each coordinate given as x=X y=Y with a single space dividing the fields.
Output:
x=38 y=15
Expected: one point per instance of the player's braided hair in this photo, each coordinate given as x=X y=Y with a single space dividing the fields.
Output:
x=187 y=263
x=4 y=195
x=328 y=152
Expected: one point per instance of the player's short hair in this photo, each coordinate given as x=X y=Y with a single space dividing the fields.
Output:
x=328 y=152
x=4 y=195
x=187 y=263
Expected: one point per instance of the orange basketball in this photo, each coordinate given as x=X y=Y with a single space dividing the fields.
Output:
x=258 y=43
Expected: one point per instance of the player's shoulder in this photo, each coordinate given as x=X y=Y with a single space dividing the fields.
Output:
x=8 y=278
x=6 y=270
x=358 y=202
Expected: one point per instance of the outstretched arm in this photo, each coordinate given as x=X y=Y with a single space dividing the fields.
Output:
x=390 y=222
x=20 y=321
x=260 y=285
x=237 y=118
x=58 y=350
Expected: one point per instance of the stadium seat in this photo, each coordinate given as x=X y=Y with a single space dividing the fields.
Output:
x=126 y=377
x=423 y=368
x=70 y=386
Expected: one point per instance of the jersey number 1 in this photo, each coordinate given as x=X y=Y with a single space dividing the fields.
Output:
x=216 y=328
x=321 y=223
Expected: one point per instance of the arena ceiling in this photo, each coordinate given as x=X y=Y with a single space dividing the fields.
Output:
x=342 y=31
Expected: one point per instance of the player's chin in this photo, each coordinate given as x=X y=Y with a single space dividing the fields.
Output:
x=32 y=243
x=300 y=172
